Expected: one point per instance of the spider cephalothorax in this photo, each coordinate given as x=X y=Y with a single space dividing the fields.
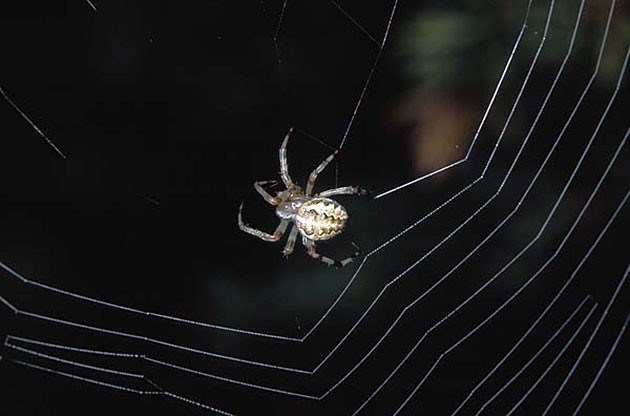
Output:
x=316 y=217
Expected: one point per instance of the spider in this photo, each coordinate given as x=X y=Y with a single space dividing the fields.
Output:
x=315 y=217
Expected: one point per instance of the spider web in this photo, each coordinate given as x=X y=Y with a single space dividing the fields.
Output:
x=493 y=279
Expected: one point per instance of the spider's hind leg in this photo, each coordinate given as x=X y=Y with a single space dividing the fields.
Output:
x=310 y=245
x=288 y=248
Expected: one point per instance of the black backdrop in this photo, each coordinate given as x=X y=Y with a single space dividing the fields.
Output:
x=166 y=112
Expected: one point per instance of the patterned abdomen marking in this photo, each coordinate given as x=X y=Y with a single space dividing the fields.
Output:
x=321 y=219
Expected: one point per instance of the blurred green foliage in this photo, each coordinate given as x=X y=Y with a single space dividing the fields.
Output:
x=441 y=46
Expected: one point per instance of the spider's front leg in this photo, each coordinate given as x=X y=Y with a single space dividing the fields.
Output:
x=344 y=190
x=277 y=235
x=310 y=245
x=284 y=164
x=313 y=176
x=258 y=185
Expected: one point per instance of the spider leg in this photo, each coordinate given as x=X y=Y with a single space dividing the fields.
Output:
x=284 y=165
x=261 y=234
x=313 y=176
x=310 y=245
x=288 y=248
x=345 y=190
x=270 y=199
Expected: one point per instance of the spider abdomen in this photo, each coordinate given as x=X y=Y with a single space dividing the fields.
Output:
x=321 y=218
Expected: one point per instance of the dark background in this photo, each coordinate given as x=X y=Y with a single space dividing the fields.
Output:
x=168 y=111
